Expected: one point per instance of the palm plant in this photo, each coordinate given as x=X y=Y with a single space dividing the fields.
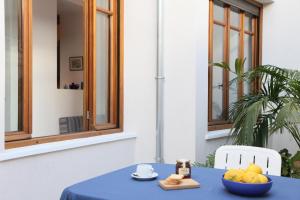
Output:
x=273 y=107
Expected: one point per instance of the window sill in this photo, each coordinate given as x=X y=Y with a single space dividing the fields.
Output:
x=62 y=145
x=211 y=135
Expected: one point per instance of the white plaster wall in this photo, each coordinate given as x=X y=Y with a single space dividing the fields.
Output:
x=45 y=176
x=180 y=60
x=281 y=43
x=139 y=75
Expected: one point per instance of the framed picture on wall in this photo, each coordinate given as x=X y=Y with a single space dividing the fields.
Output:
x=76 y=63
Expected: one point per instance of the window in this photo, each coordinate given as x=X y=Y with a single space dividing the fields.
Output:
x=234 y=32
x=17 y=69
x=63 y=70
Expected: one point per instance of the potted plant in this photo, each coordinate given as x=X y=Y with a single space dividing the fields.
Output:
x=273 y=107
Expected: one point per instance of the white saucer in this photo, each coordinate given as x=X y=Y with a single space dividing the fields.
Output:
x=137 y=177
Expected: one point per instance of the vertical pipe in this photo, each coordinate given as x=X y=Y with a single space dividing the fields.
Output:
x=159 y=86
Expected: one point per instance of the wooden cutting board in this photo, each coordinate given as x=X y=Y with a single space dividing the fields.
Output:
x=185 y=184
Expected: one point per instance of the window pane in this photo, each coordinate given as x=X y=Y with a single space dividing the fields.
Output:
x=102 y=68
x=234 y=19
x=13 y=66
x=103 y=4
x=217 y=94
x=248 y=62
x=234 y=54
x=248 y=23
x=218 y=13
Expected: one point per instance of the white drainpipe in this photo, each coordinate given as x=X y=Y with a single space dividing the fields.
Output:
x=160 y=86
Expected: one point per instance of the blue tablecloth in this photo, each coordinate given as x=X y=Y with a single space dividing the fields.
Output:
x=118 y=185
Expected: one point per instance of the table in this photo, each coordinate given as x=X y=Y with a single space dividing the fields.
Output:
x=118 y=185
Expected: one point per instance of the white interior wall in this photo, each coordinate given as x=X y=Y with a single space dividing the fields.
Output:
x=49 y=103
x=71 y=40
x=281 y=48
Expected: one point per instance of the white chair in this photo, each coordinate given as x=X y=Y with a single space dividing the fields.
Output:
x=235 y=157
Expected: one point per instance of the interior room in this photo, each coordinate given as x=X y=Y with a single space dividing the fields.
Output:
x=119 y=99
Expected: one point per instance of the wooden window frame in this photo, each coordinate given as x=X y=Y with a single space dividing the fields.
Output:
x=256 y=34
x=116 y=13
x=112 y=14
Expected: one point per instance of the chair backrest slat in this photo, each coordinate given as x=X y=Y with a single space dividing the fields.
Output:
x=233 y=156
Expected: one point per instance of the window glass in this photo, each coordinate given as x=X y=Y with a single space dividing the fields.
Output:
x=234 y=19
x=234 y=54
x=13 y=66
x=218 y=13
x=217 y=96
x=102 y=68
x=248 y=62
x=248 y=23
x=103 y=4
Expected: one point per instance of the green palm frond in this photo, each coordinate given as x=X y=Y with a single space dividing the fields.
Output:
x=276 y=106
x=239 y=67
x=223 y=65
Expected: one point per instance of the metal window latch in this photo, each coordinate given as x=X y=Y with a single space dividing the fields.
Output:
x=88 y=115
x=160 y=77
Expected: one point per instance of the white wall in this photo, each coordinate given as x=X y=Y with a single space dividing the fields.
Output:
x=45 y=176
x=281 y=34
x=139 y=81
x=281 y=43
x=180 y=61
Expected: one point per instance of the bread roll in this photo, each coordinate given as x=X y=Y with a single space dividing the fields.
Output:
x=174 y=179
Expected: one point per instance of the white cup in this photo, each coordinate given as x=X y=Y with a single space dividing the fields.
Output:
x=144 y=170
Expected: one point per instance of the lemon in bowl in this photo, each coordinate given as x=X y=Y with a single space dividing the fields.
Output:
x=254 y=168
x=247 y=182
x=235 y=175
